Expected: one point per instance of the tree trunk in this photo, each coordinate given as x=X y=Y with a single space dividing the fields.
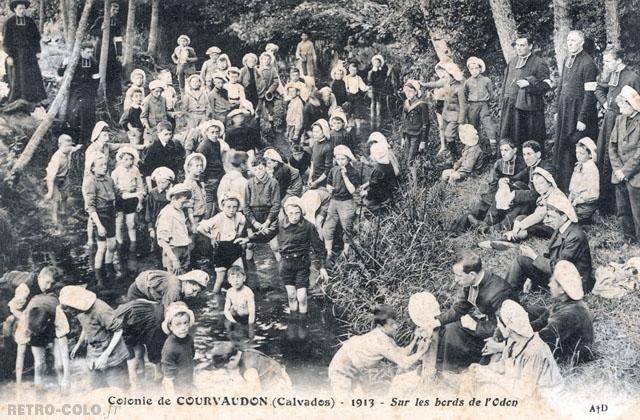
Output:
x=505 y=25
x=73 y=20
x=64 y=12
x=436 y=36
x=104 y=50
x=63 y=93
x=612 y=22
x=41 y=16
x=561 y=27
x=127 y=59
x=152 y=47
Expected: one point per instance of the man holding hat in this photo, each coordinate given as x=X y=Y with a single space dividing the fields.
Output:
x=577 y=112
x=568 y=242
x=472 y=317
x=479 y=90
x=567 y=325
x=624 y=152
x=526 y=81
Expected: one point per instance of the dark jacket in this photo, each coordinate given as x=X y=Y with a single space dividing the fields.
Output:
x=535 y=71
x=523 y=184
x=567 y=328
x=415 y=119
x=492 y=291
x=502 y=170
x=624 y=149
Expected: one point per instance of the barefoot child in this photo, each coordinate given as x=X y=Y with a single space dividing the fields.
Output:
x=157 y=199
x=178 y=350
x=223 y=229
x=99 y=194
x=376 y=77
x=130 y=194
x=240 y=304
x=58 y=175
x=342 y=183
x=415 y=121
x=197 y=207
x=172 y=231
x=101 y=334
x=355 y=87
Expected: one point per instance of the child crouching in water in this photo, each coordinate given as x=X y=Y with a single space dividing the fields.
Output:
x=178 y=350
x=240 y=305
x=470 y=161
x=223 y=229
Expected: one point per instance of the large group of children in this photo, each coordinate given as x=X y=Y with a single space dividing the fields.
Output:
x=196 y=166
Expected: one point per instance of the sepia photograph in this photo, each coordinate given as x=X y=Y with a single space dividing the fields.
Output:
x=331 y=209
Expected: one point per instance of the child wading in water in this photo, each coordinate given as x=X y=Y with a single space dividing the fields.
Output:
x=240 y=305
x=172 y=231
x=223 y=229
x=58 y=176
x=130 y=193
x=178 y=350
x=157 y=199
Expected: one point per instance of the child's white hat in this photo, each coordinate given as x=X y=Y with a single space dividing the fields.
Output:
x=343 y=150
x=77 y=297
x=294 y=201
x=377 y=137
x=204 y=125
x=324 y=125
x=337 y=69
x=248 y=56
x=631 y=95
x=338 y=114
x=92 y=158
x=380 y=153
x=192 y=156
x=423 y=308
x=591 y=146
x=546 y=175
x=163 y=173
x=379 y=57
x=137 y=71
x=213 y=50
x=174 y=309
x=311 y=201
x=230 y=195
x=128 y=150
x=243 y=110
x=515 y=318
x=180 y=188
x=155 y=84
x=185 y=37
x=273 y=155
x=478 y=61
x=271 y=47
x=568 y=277
x=233 y=70
x=219 y=75
x=197 y=276
x=97 y=129
x=451 y=68
x=561 y=203
x=292 y=85
x=468 y=134
x=415 y=85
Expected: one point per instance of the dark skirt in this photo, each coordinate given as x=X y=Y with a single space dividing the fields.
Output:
x=25 y=78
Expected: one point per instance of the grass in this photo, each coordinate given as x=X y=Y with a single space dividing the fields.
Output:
x=409 y=250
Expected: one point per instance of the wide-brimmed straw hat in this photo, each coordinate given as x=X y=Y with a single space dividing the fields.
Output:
x=157 y=84
x=185 y=37
x=192 y=156
x=213 y=50
x=77 y=297
x=163 y=173
x=174 y=309
x=128 y=150
x=180 y=188
x=478 y=61
x=568 y=277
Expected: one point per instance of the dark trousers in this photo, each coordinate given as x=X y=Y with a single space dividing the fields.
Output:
x=523 y=268
x=459 y=347
x=628 y=206
x=539 y=230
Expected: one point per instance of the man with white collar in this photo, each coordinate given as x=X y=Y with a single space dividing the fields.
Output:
x=526 y=81
x=615 y=75
x=624 y=152
x=577 y=114
x=472 y=317
x=568 y=242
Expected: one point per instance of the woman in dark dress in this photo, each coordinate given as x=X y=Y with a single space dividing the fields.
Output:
x=81 y=113
x=22 y=44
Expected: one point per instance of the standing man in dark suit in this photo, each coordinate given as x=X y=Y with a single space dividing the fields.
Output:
x=472 y=317
x=526 y=80
x=624 y=152
x=568 y=242
x=615 y=75
x=577 y=114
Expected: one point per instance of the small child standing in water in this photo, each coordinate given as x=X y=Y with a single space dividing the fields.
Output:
x=178 y=350
x=240 y=305
x=157 y=199
x=129 y=194
x=58 y=175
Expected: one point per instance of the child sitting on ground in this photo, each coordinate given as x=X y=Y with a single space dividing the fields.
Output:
x=130 y=119
x=471 y=160
x=584 y=188
x=240 y=305
x=184 y=56
x=157 y=199
x=223 y=229
x=178 y=350
x=130 y=193
x=172 y=231
x=58 y=176
x=138 y=78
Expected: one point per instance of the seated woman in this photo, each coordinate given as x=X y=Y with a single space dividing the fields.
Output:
x=533 y=224
x=366 y=351
x=259 y=372
x=584 y=188
x=521 y=364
